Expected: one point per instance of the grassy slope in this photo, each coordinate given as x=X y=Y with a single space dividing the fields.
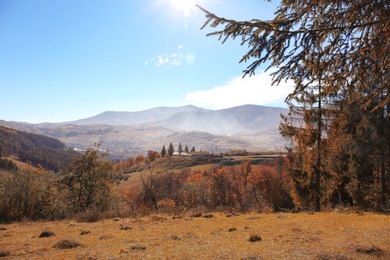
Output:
x=284 y=236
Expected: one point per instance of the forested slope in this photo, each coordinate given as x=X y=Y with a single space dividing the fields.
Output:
x=36 y=149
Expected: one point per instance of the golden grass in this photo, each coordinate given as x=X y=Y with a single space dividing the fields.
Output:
x=283 y=236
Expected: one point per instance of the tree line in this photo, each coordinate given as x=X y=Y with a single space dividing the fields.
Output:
x=171 y=150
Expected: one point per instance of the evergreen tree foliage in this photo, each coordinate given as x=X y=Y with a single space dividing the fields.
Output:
x=35 y=149
x=337 y=53
x=163 y=151
x=180 y=149
x=171 y=150
x=186 y=149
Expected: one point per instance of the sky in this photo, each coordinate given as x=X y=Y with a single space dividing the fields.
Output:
x=65 y=60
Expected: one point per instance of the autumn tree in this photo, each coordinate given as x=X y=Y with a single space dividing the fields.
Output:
x=89 y=182
x=152 y=155
x=32 y=194
x=328 y=49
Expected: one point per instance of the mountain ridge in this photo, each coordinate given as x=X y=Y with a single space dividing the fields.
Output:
x=250 y=127
x=133 y=117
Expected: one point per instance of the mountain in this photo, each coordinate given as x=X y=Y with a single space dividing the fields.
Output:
x=235 y=121
x=125 y=134
x=134 y=118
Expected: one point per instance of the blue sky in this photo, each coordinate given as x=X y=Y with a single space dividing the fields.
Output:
x=63 y=60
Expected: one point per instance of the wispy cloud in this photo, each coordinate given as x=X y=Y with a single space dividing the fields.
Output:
x=174 y=59
x=239 y=91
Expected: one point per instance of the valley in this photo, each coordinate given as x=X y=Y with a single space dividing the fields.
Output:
x=128 y=134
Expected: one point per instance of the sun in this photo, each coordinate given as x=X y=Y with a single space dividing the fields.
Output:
x=183 y=6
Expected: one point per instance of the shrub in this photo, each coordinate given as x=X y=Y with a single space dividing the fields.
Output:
x=31 y=194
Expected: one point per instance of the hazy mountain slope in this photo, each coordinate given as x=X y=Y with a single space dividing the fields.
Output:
x=235 y=121
x=132 y=118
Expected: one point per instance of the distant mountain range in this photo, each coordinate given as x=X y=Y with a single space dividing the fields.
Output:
x=249 y=127
x=135 y=118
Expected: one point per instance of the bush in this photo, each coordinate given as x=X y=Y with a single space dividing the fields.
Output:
x=31 y=194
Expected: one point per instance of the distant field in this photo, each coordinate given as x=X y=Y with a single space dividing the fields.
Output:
x=353 y=235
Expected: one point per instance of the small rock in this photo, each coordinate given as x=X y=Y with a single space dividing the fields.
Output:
x=232 y=229
x=85 y=232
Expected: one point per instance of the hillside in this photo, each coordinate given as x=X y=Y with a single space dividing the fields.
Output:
x=36 y=149
x=127 y=134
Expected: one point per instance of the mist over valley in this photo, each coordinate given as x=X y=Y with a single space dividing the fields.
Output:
x=124 y=134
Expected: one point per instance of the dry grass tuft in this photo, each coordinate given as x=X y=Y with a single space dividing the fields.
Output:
x=254 y=238
x=67 y=244
x=252 y=258
x=4 y=253
x=331 y=257
x=137 y=247
x=370 y=250
x=46 y=233
x=197 y=215
x=85 y=232
x=106 y=237
x=173 y=237
x=89 y=216
x=158 y=218
x=209 y=215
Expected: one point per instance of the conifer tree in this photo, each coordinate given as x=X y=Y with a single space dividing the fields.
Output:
x=163 y=151
x=180 y=149
x=334 y=51
x=171 y=150
x=186 y=149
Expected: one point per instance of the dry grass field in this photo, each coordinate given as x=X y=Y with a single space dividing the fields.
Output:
x=221 y=236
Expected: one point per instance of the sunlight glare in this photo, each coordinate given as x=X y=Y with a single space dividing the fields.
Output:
x=184 y=6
